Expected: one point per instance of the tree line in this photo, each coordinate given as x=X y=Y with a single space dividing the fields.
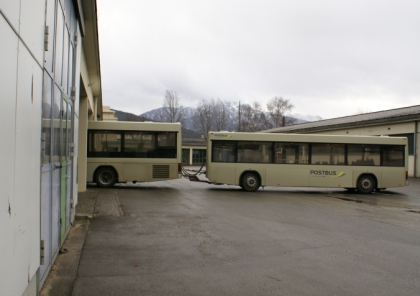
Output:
x=213 y=114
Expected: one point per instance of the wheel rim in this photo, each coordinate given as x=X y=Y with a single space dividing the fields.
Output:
x=366 y=184
x=251 y=182
x=105 y=177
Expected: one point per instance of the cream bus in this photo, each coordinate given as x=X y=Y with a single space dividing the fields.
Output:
x=251 y=160
x=120 y=152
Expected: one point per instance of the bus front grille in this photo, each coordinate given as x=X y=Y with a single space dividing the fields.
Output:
x=160 y=171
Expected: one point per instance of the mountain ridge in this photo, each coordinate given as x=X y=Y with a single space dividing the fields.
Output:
x=188 y=127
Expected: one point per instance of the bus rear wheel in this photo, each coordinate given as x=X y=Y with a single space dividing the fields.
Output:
x=105 y=177
x=366 y=184
x=250 y=182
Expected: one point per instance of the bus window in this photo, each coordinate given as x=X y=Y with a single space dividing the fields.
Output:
x=132 y=143
x=166 y=145
x=104 y=144
x=393 y=156
x=254 y=152
x=223 y=151
x=166 y=139
x=328 y=154
x=364 y=155
x=291 y=153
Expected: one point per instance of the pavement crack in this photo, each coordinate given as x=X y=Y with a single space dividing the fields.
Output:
x=273 y=278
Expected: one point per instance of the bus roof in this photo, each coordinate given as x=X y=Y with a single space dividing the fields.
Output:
x=134 y=125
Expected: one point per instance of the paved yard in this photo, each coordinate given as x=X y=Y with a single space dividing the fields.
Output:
x=185 y=238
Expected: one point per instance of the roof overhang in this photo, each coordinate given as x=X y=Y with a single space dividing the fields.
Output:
x=87 y=13
x=370 y=119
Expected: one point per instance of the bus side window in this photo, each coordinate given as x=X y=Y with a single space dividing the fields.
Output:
x=328 y=154
x=223 y=151
x=291 y=153
x=393 y=156
x=363 y=155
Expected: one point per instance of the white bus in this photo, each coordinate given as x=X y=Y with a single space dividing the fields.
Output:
x=251 y=160
x=120 y=152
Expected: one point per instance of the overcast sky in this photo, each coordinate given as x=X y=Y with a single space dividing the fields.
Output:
x=329 y=58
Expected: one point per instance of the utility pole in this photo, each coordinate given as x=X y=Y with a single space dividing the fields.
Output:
x=239 y=117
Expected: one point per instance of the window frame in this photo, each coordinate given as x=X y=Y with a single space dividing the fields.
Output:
x=158 y=151
x=235 y=147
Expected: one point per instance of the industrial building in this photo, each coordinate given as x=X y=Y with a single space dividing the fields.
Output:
x=50 y=87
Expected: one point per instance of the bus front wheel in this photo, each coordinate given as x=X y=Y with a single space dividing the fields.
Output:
x=105 y=177
x=250 y=182
x=366 y=184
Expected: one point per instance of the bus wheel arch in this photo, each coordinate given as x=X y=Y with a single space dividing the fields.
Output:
x=250 y=181
x=105 y=176
x=366 y=183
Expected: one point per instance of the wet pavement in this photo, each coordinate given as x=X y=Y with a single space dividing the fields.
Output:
x=186 y=238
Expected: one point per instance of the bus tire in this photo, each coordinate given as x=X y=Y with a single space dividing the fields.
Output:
x=250 y=182
x=366 y=184
x=105 y=177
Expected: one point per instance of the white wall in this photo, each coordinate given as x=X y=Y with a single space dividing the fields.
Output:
x=376 y=130
x=20 y=95
x=8 y=72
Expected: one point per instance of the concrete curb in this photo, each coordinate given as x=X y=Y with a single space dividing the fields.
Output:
x=63 y=273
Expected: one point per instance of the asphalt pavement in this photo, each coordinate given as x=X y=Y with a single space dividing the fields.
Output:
x=185 y=238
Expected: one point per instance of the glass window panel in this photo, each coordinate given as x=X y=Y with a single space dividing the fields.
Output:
x=166 y=139
x=198 y=156
x=49 y=54
x=291 y=153
x=104 y=144
x=138 y=144
x=46 y=119
x=259 y=152
x=65 y=75
x=148 y=141
x=68 y=9
x=393 y=156
x=73 y=22
x=328 y=154
x=185 y=156
x=363 y=155
x=64 y=144
x=59 y=34
x=166 y=145
x=71 y=68
x=56 y=114
x=132 y=143
x=69 y=128
x=223 y=151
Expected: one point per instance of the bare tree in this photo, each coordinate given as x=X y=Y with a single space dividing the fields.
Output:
x=278 y=108
x=203 y=117
x=253 y=118
x=211 y=115
x=172 y=109
x=220 y=114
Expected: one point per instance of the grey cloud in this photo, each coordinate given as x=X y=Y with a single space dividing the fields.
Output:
x=350 y=54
